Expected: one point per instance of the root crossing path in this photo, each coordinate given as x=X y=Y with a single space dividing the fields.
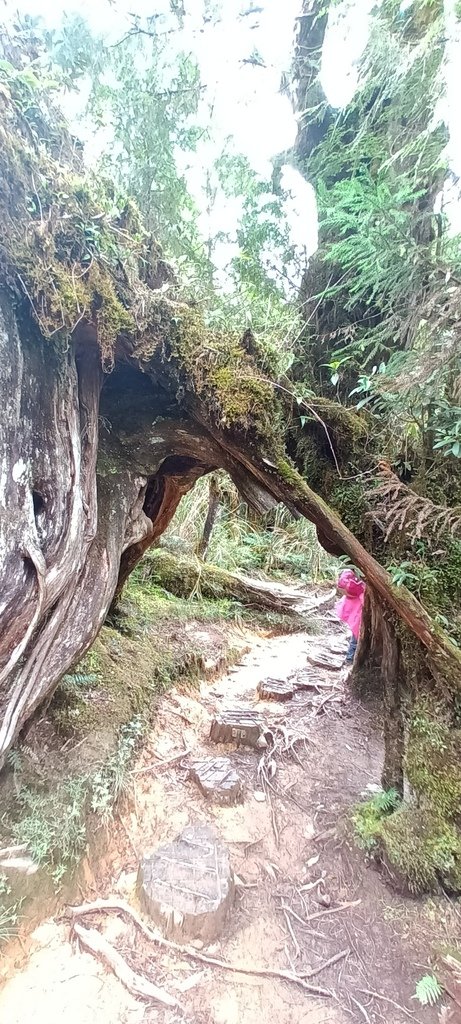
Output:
x=306 y=904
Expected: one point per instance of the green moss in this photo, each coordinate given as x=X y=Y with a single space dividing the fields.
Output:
x=421 y=849
x=350 y=503
x=58 y=236
x=214 y=369
x=433 y=757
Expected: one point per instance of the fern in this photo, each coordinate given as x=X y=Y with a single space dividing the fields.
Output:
x=386 y=802
x=81 y=678
x=428 y=990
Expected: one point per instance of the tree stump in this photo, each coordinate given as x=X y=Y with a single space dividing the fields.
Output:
x=275 y=689
x=218 y=780
x=245 y=728
x=325 y=659
x=187 y=888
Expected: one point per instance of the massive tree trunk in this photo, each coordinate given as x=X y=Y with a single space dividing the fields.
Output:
x=73 y=527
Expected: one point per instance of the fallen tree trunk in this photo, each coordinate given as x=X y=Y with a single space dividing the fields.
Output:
x=287 y=486
x=189 y=577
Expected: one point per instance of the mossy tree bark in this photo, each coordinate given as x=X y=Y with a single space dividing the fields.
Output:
x=188 y=577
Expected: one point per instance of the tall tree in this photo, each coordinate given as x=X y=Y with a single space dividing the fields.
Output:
x=380 y=300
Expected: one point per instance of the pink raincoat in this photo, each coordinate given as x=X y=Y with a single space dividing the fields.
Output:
x=349 y=608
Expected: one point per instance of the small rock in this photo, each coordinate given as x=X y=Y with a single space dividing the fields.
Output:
x=259 y=796
x=18 y=866
x=218 y=780
x=275 y=689
x=187 y=887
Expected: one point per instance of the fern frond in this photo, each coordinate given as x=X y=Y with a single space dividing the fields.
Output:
x=428 y=990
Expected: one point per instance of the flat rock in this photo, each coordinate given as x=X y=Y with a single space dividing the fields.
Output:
x=275 y=689
x=218 y=780
x=243 y=727
x=187 y=887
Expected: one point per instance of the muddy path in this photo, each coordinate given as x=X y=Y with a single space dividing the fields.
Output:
x=306 y=902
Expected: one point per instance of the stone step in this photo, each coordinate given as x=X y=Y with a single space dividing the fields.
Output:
x=275 y=689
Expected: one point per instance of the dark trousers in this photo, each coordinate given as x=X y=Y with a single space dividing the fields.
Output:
x=351 y=650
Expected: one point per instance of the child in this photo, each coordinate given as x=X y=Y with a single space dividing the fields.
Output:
x=349 y=608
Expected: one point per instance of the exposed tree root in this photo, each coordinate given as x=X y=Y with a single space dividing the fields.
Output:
x=119 y=906
x=139 y=986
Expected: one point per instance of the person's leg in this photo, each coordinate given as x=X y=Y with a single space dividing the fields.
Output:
x=351 y=650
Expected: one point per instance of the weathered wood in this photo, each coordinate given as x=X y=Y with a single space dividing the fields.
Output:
x=245 y=728
x=187 y=887
x=218 y=780
x=275 y=689
x=286 y=484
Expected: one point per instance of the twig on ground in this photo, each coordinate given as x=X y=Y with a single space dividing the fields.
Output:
x=361 y=1008
x=119 y=906
x=326 y=963
x=386 y=999
x=139 y=986
x=292 y=934
x=301 y=920
x=162 y=764
x=13 y=851
x=333 y=910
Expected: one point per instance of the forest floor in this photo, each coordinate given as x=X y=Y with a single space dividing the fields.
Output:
x=306 y=900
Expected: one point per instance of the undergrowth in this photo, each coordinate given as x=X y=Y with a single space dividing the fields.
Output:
x=54 y=824
x=276 y=544
x=368 y=815
x=9 y=911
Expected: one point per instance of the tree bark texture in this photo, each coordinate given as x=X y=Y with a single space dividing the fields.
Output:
x=115 y=401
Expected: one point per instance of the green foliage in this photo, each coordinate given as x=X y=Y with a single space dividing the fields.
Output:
x=276 y=544
x=53 y=827
x=428 y=990
x=9 y=911
x=367 y=817
x=422 y=848
x=385 y=282
x=113 y=780
x=54 y=824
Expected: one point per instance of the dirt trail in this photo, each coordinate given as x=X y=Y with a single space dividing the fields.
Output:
x=304 y=894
